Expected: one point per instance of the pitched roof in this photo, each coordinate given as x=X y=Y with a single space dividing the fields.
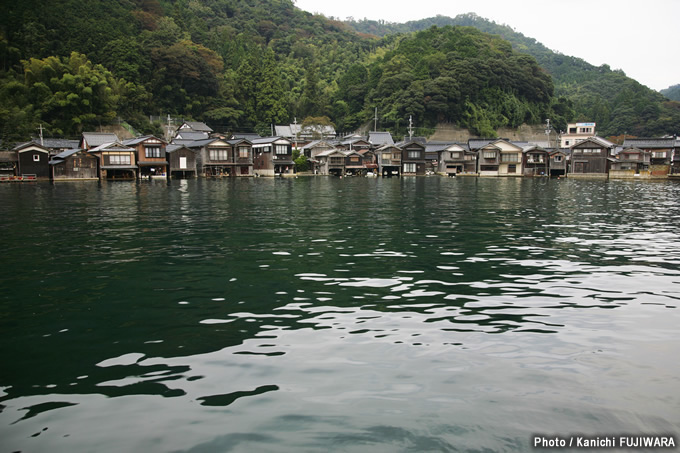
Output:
x=266 y=140
x=30 y=144
x=191 y=135
x=380 y=138
x=649 y=143
x=174 y=147
x=196 y=126
x=247 y=135
x=57 y=143
x=597 y=140
x=94 y=139
x=478 y=143
x=113 y=146
x=284 y=131
x=137 y=140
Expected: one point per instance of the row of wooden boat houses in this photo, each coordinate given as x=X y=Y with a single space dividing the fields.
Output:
x=196 y=151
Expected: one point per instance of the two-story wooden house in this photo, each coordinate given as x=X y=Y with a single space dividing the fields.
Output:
x=661 y=153
x=536 y=161
x=591 y=157
x=151 y=158
x=511 y=156
x=456 y=159
x=273 y=156
x=115 y=161
x=389 y=160
x=488 y=160
x=219 y=157
x=354 y=163
x=559 y=162
x=331 y=162
x=631 y=163
x=413 y=162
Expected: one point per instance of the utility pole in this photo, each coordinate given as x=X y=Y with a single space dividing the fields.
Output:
x=41 y=135
x=547 y=130
x=169 y=128
x=296 y=131
x=410 y=127
x=375 y=121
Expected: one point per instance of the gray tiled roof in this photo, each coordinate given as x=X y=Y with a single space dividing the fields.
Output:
x=380 y=138
x=191 y=135
x=94 y=139
x=197 y=126
x=649 y=143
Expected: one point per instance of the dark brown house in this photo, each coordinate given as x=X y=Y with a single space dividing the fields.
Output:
x=73 y=164
x=413 y=159
x=273 y=156
x=591 y=157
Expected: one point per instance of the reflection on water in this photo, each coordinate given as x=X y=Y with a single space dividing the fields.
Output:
x=315 y=314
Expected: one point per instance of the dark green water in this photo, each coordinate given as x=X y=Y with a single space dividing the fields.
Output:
x=321 y=314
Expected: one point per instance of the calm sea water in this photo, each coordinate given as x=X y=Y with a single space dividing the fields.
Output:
x=322 y=314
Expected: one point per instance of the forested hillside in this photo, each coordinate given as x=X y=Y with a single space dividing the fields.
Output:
x=617 y=103
x=72 y=65
x=672 y=93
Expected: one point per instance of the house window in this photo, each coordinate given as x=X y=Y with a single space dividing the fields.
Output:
x=512 y=168
x=414 y=154
x=396 y=156
x=152 y=151
x=410 y=168
x=566 y=142
x=557 y=158
x=590 y=150
x=386 y=156
x=535 y=159
x=337 y=160
x=119 y=159
x=281 y=149
x=218 y=154
x=655 y=154
x=489 y=154
x=182 y=163
x=36 y=158
x=455 y=155
x=354 y=159
x=243 y=152
x=509 y=157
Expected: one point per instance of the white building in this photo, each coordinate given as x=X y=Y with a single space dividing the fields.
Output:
x=576 y=132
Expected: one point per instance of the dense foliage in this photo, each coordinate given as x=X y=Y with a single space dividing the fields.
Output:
x=450 y=74
x=72 y=65
x=584 y=92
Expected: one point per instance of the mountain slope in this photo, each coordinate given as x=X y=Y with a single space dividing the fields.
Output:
x=617 y=103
